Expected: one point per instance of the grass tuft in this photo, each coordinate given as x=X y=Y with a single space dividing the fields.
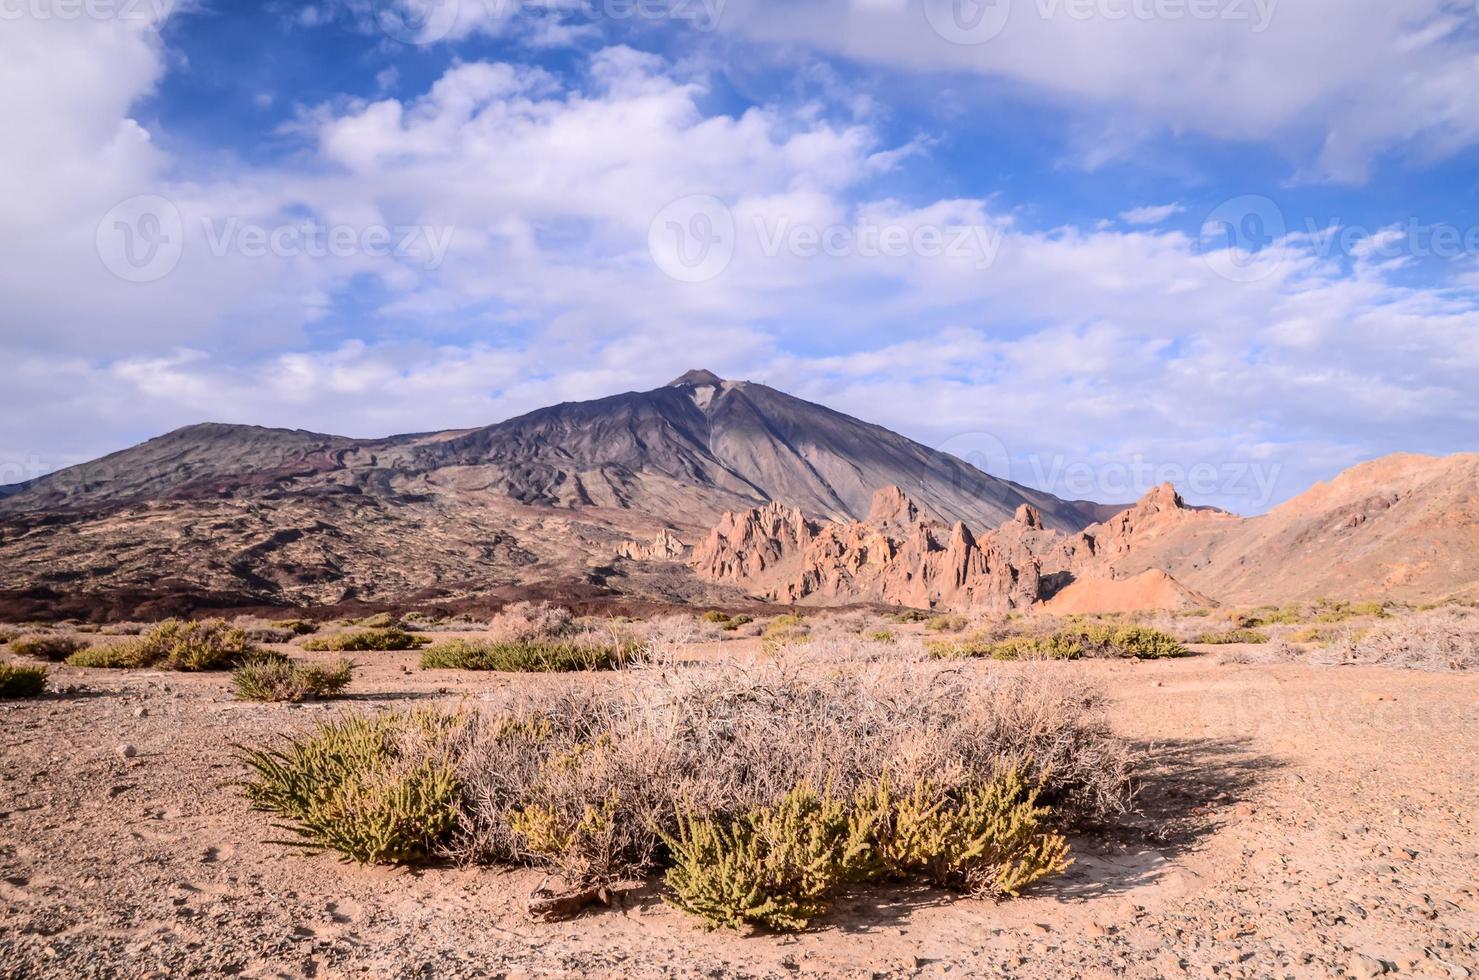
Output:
x=21 y=681
x=390 y=638
x=280 y=679
x=525 y=656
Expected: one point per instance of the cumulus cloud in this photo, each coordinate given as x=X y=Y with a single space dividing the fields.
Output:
x=1047 y=348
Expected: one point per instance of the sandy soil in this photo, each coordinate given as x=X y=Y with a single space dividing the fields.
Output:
x=1296 y=821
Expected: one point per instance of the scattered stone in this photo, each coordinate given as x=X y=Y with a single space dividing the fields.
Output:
x=141 y=712
x=126 y=751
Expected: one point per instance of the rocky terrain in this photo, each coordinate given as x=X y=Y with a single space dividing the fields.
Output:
x=219 y=515
x=1294 y=820
x=1403 y=527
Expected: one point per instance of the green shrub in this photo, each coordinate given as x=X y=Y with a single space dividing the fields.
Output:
x=298 y=627
x=120 y=656
x=1068 y=643
x=785 y=631
x=1241 y=635
x=1328 y=611
x=19 y=681
x=735 y=622
x=53 y=647
x=279 y=679
x=174 y=644
x=879 y=636
x=521 y=656
x=778 y=866
x=947 y=624
x=987 y=838
x=391 y=638
x=1123 y=641
x=379 y=621
x=714 y=616
x=909 y=616
x=374 y=790
x=1288 y=615
x=209 y=644
x=774 y=867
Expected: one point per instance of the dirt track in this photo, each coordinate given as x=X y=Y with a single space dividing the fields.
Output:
x=1298 y=821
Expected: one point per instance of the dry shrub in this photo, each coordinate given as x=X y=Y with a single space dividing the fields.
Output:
x=664 y=637
x=19 y=681
x=525 y=656
x=1225 y=637
x=525 y=621
x=54 y=647
x=390 y=638
x=1446 y=639
x=784 y=632
x=174 y=644
x=281 y=679
x=607 y=771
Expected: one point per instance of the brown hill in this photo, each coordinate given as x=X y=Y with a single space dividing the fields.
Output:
x=1404 y=526
x=242 y=514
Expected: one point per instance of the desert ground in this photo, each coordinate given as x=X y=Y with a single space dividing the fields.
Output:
x=1292 y=819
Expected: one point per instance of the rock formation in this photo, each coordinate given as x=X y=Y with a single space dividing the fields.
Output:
x=895 y=556
x=667 y=546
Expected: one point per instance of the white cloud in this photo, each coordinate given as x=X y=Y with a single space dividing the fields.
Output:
x=1068 y=344
x=1152 y=214
x=1355 y=77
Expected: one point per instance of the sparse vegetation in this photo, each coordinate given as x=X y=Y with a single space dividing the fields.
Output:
x=735 y=622
x=536 y=655
x=174 y=644
x=1066 y=643
x=714 y=616
x=879 y=636
x=1239 y=635
x=1439 y=640
x=778 y=866
x=54 y=647
x=374 y=790
x=390 y=638
x=379 y=621
x=784 y=631
x=947 y=624
x=281 y=679
x=21 y=681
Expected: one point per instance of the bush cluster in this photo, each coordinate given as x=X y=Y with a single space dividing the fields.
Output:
x=373 y=790
x=778 y=866
x=54 y=647
x=525 y=656
x=277 y=678
x=784 y=631
x=1067 y=643
x=1240 y=635
x=760 y=793
x=210 y=644
x=388 y=638
x=20 y=681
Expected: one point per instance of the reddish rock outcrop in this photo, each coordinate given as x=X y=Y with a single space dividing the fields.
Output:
x=667 y=546
x=896 y=556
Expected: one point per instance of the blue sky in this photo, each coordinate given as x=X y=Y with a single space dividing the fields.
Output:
x=1088 y=244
